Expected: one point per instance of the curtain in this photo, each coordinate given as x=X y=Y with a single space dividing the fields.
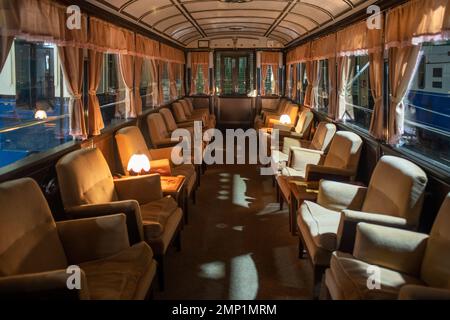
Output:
x=376 y=83
x=126 y=63
x=264 y=72
x=288 y=80
x=138 y=67
x=294 y=81
x=275 y=71
x=72 y=65
x=194 y=71
x=5 y=46
x=344 y=72
x=9 y=17
x=161 y=65
x=172 y=80
x=183 y=87
x=400 y=76
x=95 y=71
x=333 y=102
x=311 y=75
x=205 y=70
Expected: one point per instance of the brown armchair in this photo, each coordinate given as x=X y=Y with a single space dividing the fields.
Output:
x=36 y=252
x=87 y=186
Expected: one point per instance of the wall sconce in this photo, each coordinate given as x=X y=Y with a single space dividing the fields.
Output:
x=285 y=119
x=40 y=115
x=139 y=164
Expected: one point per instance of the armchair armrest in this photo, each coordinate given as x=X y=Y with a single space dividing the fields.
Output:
x=297 y=142
x=161 y=167
x=164 y=153
x=166 y=143
x=392 y=248
x=350 y=219
x=185 y=124
x=143 y=189
x=338 y=196
x=130 y=208
x=300 y=158
x=415 y=292
x=316 y=173
x=42 y=286
x=93 y=238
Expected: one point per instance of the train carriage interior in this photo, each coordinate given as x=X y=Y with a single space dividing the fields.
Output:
x=258 y=150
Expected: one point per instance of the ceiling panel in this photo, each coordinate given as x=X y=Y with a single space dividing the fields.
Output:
x=187 y=20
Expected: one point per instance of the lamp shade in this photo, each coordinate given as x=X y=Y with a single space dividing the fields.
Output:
x=40 y=115
x=285 y=119
x=138 y=164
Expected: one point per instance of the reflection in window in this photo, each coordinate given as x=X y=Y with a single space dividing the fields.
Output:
x=34 y=115
x=146 y=87
x=427 y=107
x=303 y=83
x=111 y=90
x=323 y=89
x=358 y=97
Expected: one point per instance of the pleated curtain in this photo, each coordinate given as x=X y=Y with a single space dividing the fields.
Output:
x=95 y=71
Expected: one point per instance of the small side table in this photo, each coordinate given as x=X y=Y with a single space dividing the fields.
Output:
x=300 y=191
x=175 y=187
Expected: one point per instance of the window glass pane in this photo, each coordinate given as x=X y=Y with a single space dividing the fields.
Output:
x=34 y=115
x=303 y=82
x=111 y=90
x=165 y=82
x=146 y=85
x=427 y=106
x=242 y=76
x=323 y=88
x=200 y=88
x=269 y=85
x=234 y=73
x=358 y=96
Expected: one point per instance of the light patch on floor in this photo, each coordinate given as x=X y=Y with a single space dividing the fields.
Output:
x=238 y=228
x=239 y=192
x=213 y=270
x=271 y=208
x=244 y=282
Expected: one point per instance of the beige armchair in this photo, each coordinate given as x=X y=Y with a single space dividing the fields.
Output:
x=412 y=266
x=87 y=186
x=171 y=124
x=269 y=119
x=130 y=141
x=35 y=252
x=184 y=119
x=321 y=141
x=260 y=119
x=394 y=198
x=192 y=112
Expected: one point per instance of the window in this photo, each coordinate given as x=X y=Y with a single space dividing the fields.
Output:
x=290 y=81
x=179 y=79
x=427 y=108
x=165 y=82
x=270 y=84
x=323 y=89
x=421 y=73
x=111 y=90
x=146 y=86
x=303 y=83
x=358 y=97
x=235 y=73
x=200 y=84
x=34 y=115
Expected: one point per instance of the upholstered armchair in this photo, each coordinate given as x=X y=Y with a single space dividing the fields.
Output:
x=35 y=252
x=394 y=198
x=279 y=111
x=292 y=111
x=159 y=133
x=87 y=187
x=171 y=124
x=321 y=141
x=184 y=119
x=271 y=118
x=130 y=141
x=192 y=112
x=412 y=266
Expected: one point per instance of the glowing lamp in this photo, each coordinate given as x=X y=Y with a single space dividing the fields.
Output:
x=139 y=164
x=40 y=115
x=285 y=119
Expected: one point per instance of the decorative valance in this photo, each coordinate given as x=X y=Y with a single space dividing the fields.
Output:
x=171 y=54
x=200 y=58
x=358 y=39
x=40 y=20
x=299 y=54
x=147 y=48
x=418 y=21
x=324 y=48
x=106 y=37
x=270 y=58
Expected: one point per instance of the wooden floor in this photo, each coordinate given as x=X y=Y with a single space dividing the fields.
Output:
x=237 y=244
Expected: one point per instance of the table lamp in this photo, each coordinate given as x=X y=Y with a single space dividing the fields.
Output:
x=139 y=164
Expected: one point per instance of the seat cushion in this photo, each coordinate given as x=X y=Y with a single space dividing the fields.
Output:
x=127 y=275
x=291 y=172
x=349 y=278
x=279 y=157
x=160 y=245
x=155 y=215
x=321 y=223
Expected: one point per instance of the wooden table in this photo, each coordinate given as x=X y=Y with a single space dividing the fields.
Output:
x=300 y=191
x=175 y=187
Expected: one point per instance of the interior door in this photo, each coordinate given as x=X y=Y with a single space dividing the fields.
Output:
x=235 y=70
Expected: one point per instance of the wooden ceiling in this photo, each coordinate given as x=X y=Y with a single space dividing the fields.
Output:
x=186 y=21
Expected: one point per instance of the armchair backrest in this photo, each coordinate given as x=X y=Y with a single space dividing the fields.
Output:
x=304 y=122
x=190 y=104
x=436 y=263
x=282 y=105
x=178 y=112
x=29 y=239
x=396 y=188
x=169 y=120
x=323 y=136
x=186 y=108
x=345 y=151
x=292 y=112
x=85 y=178
x=157 y=128
x=130 y=141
